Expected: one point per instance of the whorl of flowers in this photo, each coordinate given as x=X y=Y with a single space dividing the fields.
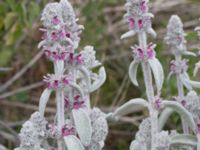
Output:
x=138 y=17
x=175 y=34
x=57 y=81
x=140 y=54
x=61 y=33
x=32 y=133
x=178 y=66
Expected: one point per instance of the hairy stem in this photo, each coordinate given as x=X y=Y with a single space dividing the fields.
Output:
x=150 y=92
x=59 y=69
x=181 y=95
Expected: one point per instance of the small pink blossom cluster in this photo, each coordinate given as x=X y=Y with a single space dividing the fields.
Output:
x=55 y=82
x=180 y=100
x=137 y=15
x=66 y=130
x=144 y=54
x=175 y=33
x=158 y=103
x=78 y=103
x=178 y=66
x=69 y=57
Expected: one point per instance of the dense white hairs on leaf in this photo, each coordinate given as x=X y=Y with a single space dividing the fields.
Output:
x=133 y=72
x=29 y=137
x=73 y=143
x=51 y=10
x=144 y=133
x=100 y=129
x=175 y=31
x=89 y=56
x=83 y=125
x=99 y=81
x=135 y=145
x=130 y=106
x=157 y=72
x=196 y=69
x=163 y=141
x=94 y=146
x=182 y=112
x=193 y=104
x=181 y=139
x=43 y=100
x=67 y=12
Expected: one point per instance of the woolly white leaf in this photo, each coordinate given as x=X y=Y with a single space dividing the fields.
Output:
x=164 y=116
x=83 y=125
x=77 y=88
x=198 y=142
x=158 y=72
x=99 y=82
x=133 y=72
x=130 y=106
x=42 y=43
x=128 y=34
x=187 y=80
x=152 y=32
x=182 y=112
x=86 y=75
x=189 y=53
x=135 y=145
x=73 y=143
x=196 y=69
x=184 y=139
x=43 y=100
x=149 y=15
x=184 y=78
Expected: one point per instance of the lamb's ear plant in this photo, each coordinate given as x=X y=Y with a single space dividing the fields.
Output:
x=77 y=126
x=150 y=134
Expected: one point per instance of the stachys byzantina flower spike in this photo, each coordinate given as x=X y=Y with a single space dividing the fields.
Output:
x=176 y=36
x=72 y=82
x=138 y=18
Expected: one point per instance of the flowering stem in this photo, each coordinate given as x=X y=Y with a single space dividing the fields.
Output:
x=150 y=92
x=181 y=95
x=60 y=114
x=60 y=103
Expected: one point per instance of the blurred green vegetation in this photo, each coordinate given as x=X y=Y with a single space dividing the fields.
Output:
x=19 y=34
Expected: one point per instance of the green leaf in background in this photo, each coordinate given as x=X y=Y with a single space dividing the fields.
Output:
x=1 y=22
x=192 y=36
x=13 y=35
x=11 y=4
x=9 y=19
x=5 y=57
x=21 y=97
x=34 y=13
x=21 y=12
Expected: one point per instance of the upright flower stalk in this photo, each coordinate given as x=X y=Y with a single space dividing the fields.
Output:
x=151 y=134
x=77 y=126
x=139 y=20
x=176 y=39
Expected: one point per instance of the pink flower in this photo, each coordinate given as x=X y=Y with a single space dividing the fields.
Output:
x=56 y=20
x=143 y=6
x=158 y=103
x=57 y=81
x=66 y=131
x=131 y=23
x=140 y=23
x=78 y=102
x=198 y=128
